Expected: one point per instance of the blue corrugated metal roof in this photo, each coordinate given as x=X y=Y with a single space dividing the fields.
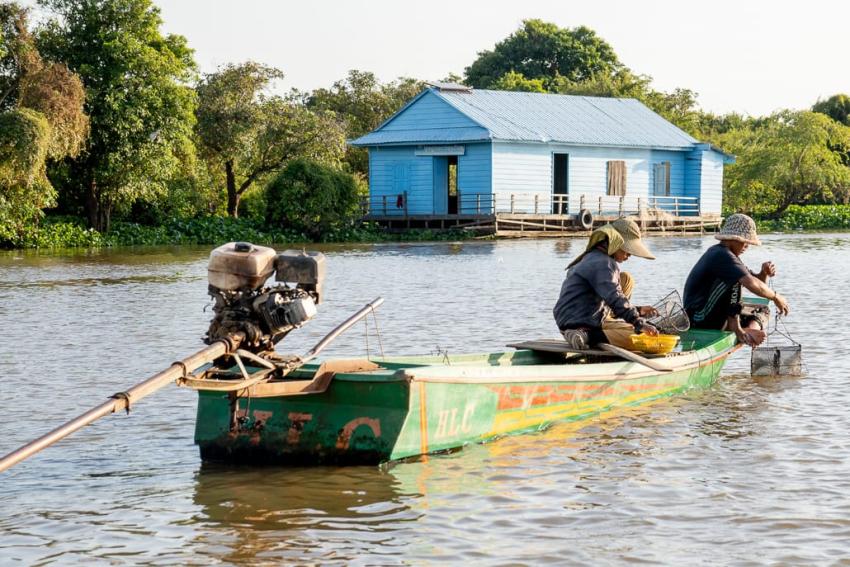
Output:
x=536 y=117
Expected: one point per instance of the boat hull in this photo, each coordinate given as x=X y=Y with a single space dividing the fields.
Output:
x=415 y=406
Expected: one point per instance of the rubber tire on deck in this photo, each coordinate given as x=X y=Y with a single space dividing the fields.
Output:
x=584 y=219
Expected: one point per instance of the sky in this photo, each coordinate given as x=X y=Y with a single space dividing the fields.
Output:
x=748 y=56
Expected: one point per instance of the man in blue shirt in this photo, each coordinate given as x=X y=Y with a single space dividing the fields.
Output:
x=713 y=288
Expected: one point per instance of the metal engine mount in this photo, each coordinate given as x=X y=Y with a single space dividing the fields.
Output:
x=237 y=274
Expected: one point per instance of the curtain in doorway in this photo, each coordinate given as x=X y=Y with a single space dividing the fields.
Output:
x=617 y=178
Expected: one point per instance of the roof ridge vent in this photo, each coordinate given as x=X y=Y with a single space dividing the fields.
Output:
x=450 y=87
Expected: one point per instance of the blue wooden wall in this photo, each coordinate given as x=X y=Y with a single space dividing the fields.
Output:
x=474 y=176
x=394 y=170
x=712 y=182
x=704 y=179
x=526 y=170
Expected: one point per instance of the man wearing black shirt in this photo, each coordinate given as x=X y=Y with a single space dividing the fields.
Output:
x=713 y=289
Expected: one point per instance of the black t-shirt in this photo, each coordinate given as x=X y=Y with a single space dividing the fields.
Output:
x=713 y=291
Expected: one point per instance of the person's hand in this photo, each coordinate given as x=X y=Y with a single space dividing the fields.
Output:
x=649 y=329
x=781 y=304
x=750 y=337
x=647 y=311
x=768 y=269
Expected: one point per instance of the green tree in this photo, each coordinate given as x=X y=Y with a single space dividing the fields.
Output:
x=788 y=160
x=312 y=198
x=542 y=50
x=362 y=103
x=620 y=84
x=836 y=107
x=679 y=107
x=41 y=118
x=248 y=135
x=513 y=81
x=137 y=98
x=712 y=126
x=24 y=188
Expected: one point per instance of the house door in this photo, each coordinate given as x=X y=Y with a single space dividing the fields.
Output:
x=445 y=185
x=441 y=185
x=451 y=188
x=560 y=183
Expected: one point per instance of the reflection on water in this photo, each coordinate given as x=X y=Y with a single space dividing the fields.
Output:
x=286 y=514
x=751 y=471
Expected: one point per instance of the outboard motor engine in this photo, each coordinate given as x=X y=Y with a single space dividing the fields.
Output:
x=237 y=274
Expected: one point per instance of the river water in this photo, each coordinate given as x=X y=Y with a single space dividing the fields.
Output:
x=749 y=472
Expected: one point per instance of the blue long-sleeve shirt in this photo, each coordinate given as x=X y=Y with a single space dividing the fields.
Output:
x=589 y=286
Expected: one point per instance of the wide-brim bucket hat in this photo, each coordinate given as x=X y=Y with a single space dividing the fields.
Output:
x=630 y=231
x=739 y=227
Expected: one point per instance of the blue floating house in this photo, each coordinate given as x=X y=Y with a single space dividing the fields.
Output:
x=453 y=150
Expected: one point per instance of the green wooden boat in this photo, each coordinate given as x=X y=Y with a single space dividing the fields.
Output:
x=257 y=406
x=390 y=408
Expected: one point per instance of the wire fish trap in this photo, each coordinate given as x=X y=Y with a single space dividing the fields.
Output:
x=672 y=318
x=778 y=355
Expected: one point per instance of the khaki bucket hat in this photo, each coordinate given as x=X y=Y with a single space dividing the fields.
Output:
x=630 y=231
x=739 y=227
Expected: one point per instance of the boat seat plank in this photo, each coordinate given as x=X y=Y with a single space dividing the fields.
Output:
x=557 y=346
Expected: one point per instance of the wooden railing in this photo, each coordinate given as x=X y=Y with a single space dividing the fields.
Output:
x=384 y=205
x=476 y=203
x=627 y=205
x=540 y=203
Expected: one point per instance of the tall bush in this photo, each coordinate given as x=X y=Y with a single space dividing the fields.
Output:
x=312 y=198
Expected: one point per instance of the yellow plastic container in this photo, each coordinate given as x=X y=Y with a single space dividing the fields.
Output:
x=660 y=344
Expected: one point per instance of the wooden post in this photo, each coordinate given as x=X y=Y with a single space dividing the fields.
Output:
x=512 y=203
x=478 y=203
x=459 y=200
x=581 y=203
x=385 y=205
x=493 y=202
x=640 y=213
x=621 y=205
x=600 y=205
x=405 y=203
x=676 y=205
x=536 y=201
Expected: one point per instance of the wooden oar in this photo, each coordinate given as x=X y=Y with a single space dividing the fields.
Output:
x=123 y=400
x=629 y=355
x=177 y=371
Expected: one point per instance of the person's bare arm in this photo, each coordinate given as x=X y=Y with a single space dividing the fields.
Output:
x=761 y=289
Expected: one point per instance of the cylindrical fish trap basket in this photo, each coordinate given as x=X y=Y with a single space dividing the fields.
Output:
x=671 y=318
x=778 y=355
x=777 y=361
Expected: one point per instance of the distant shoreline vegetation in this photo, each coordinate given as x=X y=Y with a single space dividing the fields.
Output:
x=70 y=232
x=816 y=218
x=57 y=232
